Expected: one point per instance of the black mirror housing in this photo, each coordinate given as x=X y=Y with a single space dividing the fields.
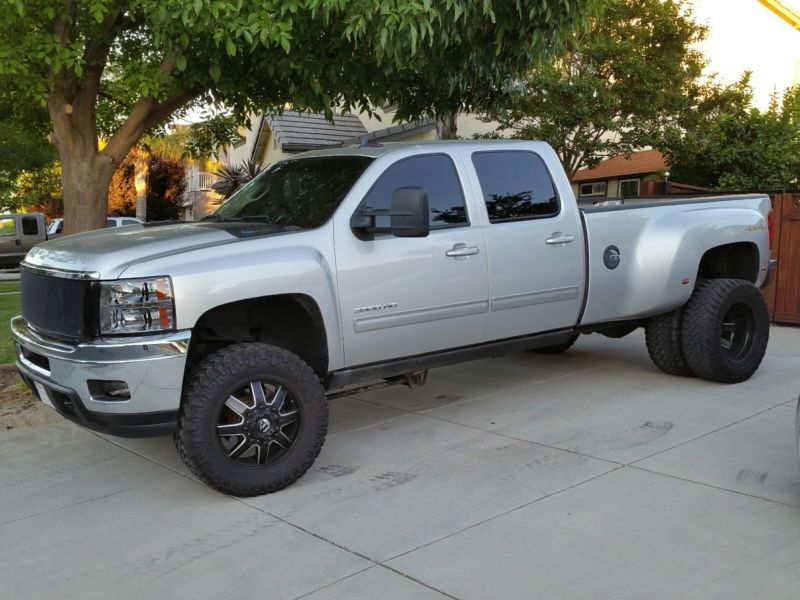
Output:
x=409 y=212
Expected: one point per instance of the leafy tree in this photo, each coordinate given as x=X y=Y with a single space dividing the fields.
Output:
x=121 y=68
x=23 y=145
x=40 y=191
x=167 y=183
x=165 y=187
x=122 y=191
x=634 y=70
x=738 y=147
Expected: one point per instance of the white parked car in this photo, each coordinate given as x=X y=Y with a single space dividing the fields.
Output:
x=56 y=227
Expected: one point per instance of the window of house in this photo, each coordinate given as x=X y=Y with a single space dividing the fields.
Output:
x=433 y=172
x=629 y=188
x=8 y=226
x=595 y=188
x=515 y=185
x=30 y=226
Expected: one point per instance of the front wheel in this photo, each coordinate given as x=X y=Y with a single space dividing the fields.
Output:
x=253 y=419
x=725 y=330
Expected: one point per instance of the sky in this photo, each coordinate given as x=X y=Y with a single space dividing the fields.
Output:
x=745 y=35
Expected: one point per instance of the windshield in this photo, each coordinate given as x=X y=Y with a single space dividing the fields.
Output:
x=301 y=193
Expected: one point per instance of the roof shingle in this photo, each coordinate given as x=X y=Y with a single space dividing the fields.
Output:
x=638 y=163
x=306 y=131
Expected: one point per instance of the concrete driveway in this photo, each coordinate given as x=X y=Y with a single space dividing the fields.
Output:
x=590 y=474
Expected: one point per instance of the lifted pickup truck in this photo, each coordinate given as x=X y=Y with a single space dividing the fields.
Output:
x=346 y=266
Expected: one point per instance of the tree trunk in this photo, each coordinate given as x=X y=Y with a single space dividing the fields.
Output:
x=85 y=180
x=141 y=163
x=85 y=172
x=447 y=126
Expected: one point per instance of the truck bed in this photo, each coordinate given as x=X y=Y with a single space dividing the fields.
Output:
x=659 y=246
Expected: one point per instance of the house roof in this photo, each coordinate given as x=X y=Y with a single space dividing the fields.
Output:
x=638 y=163
x=394 y=132
x=307 y=131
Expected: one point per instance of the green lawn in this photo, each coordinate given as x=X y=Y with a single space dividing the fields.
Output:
x=9 y=306
x=9 y=286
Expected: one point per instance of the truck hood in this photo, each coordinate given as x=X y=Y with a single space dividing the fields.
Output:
x=108 y=252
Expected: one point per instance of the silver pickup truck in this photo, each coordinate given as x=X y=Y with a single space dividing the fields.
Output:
x=366 y=264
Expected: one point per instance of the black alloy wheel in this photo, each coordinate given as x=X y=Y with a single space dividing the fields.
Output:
x=258 y=423
x=738 y=331
x=253 y=419
x=725 y=330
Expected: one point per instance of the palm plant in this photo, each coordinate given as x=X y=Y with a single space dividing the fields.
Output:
x=232 y=177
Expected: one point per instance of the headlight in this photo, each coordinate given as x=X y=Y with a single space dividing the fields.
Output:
x=136 y=306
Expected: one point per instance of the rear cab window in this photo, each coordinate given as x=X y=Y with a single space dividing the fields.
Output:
x=30 y=226
x=516 y=185
x=437 y=174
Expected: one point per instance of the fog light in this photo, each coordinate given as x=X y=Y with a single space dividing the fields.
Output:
x=109 y=391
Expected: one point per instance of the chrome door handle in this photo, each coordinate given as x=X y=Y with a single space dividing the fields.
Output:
x=462 y=250
x=559 y=238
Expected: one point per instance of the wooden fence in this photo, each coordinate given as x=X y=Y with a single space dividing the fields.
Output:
x=783 y=292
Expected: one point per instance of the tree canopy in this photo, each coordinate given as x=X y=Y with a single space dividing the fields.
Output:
x=632 y=72
x=730 y=145
x=120 y=68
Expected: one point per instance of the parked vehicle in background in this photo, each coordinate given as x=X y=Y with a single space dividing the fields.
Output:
x=56 y=228
x=342 y=267
x=18 y=234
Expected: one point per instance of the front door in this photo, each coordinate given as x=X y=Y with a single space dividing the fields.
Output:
x=32 y=232
x=406 y=296
x=534 y=242
x=10 y=243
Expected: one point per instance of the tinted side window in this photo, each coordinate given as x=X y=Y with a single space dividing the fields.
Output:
x=111 y=223
x=8 y=227
x=30 y=226
x=434 y=172
x=129 y=222
x=515 y=185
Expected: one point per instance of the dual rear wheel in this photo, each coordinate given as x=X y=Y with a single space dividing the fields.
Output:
x=721 y=334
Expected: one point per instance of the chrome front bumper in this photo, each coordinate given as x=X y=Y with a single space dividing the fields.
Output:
x=151 y=366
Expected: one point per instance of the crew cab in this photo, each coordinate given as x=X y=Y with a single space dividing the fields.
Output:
x=342 y=267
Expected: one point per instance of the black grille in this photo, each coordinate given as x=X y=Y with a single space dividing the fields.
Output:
x=64 y=308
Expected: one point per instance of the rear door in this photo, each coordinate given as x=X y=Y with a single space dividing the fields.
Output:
x=406 y=296
x=10 y=243
x=534 y=241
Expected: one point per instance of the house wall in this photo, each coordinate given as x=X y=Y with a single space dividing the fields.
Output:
x=467 y=124
x=235 y=155
x=612 y=189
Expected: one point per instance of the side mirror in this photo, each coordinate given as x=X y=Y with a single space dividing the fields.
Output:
x=409 y=212
x=408 y=216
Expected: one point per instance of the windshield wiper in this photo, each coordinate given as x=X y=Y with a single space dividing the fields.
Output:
x=259 y=218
